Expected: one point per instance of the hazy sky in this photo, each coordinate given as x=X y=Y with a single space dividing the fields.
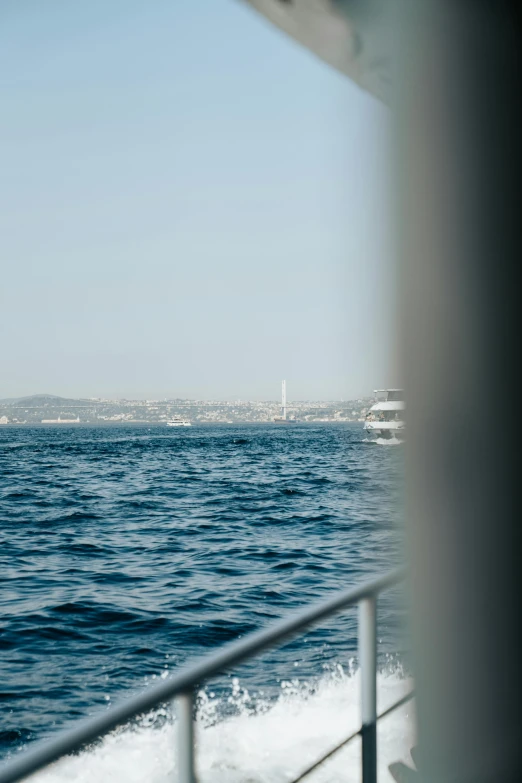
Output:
x=191 y=205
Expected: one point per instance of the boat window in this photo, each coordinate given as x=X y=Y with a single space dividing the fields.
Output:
x=385 y=415
x=396 y=395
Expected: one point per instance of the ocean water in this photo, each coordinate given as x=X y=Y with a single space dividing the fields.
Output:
x=126 y=551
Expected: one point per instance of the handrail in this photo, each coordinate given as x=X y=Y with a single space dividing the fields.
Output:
x=328 y=755
x=183 y=683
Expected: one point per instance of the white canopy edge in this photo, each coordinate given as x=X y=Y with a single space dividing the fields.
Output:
x=396 y=405
x=352 y=37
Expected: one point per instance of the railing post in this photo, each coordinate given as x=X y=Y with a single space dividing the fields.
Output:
x=184 y=710
x=368 y=664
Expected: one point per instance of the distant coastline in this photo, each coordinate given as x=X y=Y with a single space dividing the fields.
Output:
x=50 y=410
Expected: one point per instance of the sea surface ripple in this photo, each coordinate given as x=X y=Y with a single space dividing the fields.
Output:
x=125 y=551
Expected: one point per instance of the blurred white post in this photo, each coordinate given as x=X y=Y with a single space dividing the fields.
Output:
x=368 y=664
x=184 y=710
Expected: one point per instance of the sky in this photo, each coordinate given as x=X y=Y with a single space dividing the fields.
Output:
x=191 y=205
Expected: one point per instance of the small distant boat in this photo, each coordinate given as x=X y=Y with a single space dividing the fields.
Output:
x=177 y=421
x=386 y=418
x=59 y=420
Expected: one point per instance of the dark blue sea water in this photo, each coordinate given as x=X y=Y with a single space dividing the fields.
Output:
x=125 y=551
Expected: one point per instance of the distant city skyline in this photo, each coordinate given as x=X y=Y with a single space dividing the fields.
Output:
x=56 y=410
x=192 y=206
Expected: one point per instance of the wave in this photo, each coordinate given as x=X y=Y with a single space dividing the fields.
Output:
x=133 y=546
x=260 y=741
x=384 y=441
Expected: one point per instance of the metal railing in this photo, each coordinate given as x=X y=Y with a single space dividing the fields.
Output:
x=182 y=685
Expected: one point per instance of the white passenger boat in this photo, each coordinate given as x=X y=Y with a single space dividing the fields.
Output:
x=177 y=421
x=385 y=419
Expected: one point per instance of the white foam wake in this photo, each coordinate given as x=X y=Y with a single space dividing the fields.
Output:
x=262 y=743
x=384 y=441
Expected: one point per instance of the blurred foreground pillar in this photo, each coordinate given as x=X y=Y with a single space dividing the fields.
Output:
x=459 y=177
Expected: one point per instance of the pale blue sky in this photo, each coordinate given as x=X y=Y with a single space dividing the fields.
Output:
x=191 y=205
